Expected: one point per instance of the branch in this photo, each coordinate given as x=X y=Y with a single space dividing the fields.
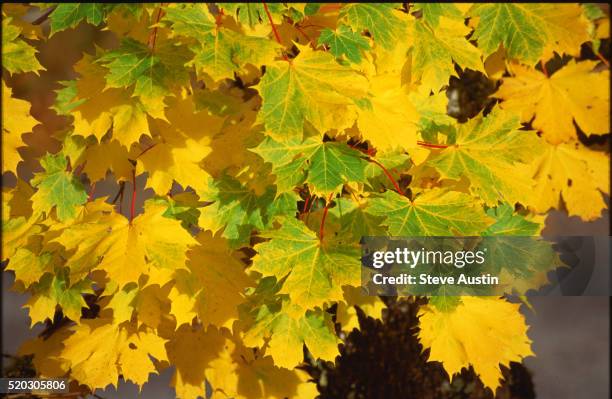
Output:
x=322 y=228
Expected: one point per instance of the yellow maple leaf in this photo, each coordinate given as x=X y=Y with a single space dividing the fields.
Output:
x=346 y=314
x=151 y=244
x=99 y=351
x=389 y=120
x=573 y=92
x=574 y=173
x=214 y=285
x=107 y=108
x=233 y=370
x=16 y=120
x=483 y=332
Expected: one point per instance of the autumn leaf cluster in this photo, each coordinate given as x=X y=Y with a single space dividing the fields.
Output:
x=271 y=138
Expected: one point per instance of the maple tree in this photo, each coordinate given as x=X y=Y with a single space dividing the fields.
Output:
x=271 y=138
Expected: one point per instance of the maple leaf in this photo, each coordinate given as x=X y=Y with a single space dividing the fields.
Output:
x=221 y=51
x=431 y=12
x=316 y=270
x=151 y=244
x=253 y=15
x=354 y=219
x=472 y=334
x=17 y=55
x=13 y=128
x=387 y=118
x=69 y=15
x=343 y=41
x=346 y=314
x=434 y=213
x=213 y=286
x=57 y=188
x=19 y=221
x=574 y=173
x=573 y=93
x=483 y=151
x=435 y=50
x=312 y=87
x=231 y=369
x=530 y=31
x=99 y=351
x=109 y=110
x=54 y=290
x=383 y=21
x=285 y=334
x=325 y=166
x=237 y=210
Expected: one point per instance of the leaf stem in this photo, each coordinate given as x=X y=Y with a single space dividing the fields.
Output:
x=431 y=145
x=133 y=206
x=397 y=187
x=153 y=34
x=91 y=192
x=602 y=59
x=306 y=204
x=276 y=34
x=543 y=65
x=322 y=228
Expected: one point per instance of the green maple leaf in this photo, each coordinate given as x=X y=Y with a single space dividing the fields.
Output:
x=517 y=250
x=252 y=14
x=66 y=99
x=312 y=87
x=315 y=271
x=325 y=166
x=512 y=25
x=343 y=41
x=57 y=188
x=191 y=20
x=433 y=213
x=381 y=20
x=134 y=64
x=17 y=55
x=431 y=12
x=510 y=224
x=236 y=209
x=355 y=221
x=225 y=52
x=30 y=266
x=69 y=15
x=220 y=52
x=435 y=51
x=287 y=334
x=483 y=151
x=57 y=290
